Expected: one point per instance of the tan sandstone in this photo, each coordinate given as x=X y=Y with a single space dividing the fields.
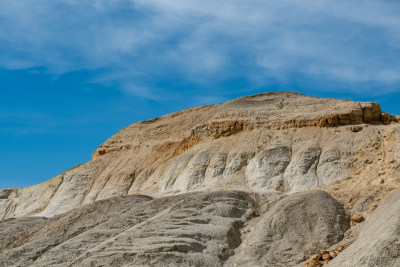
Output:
x=262 y=179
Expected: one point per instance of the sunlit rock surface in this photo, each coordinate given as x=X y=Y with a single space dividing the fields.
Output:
x=203 y=186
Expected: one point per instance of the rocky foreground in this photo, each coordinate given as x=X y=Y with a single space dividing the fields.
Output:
x=275 y=179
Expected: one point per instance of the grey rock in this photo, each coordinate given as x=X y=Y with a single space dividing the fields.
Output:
x=294 y=229
x=378 y=243
x=266 y=169
x=279 y=141
x=301 y=174
x=197 y=229
x=160 y=192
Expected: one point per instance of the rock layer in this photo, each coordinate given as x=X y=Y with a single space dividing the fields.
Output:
x=200 y=229
x=185 y=189
x=258 y=143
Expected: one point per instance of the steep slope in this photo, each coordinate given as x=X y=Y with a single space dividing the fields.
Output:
x=262 y=180
x=379 y=241
x=293 y=229
x=279 y=141
x=199 y=229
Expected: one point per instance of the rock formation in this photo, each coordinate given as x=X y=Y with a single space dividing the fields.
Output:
x=262 y=180
x=293 y=228
x=378 y=243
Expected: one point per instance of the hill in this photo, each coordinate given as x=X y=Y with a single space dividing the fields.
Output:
x=262 y=180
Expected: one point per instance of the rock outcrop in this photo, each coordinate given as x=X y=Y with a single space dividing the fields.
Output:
x=293 y=229
x=263 y=180
x=280 y=142
x=198 y=229
x=378 y=243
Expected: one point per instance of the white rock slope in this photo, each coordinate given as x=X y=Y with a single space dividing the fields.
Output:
x=262 y=180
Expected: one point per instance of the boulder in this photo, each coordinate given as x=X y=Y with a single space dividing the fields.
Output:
x=294 y=229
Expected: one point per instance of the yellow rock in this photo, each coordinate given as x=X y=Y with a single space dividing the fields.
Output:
x=314 y=263
x=317 y=257
x=326 y=257
x=322 y=251
x=355 y=128
x=357 y=218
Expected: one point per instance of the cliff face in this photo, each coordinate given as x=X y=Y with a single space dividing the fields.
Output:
x=280 y=142
x=266 y=146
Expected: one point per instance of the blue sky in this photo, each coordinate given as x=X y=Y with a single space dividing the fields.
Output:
x=73 y=72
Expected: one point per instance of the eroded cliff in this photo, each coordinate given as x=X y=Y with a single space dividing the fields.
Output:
x=267 y=146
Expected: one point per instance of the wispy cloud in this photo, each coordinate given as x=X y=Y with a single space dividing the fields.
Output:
x=26 y=123
x=142 y=42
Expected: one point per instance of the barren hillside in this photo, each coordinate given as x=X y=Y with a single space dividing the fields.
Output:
x=262 y=180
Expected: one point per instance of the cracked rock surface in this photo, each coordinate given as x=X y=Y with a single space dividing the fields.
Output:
x=198 y=229
x=293 y=229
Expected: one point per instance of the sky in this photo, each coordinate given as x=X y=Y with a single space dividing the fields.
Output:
x=74 y=72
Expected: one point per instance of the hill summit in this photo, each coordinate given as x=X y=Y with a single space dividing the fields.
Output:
x=274 y=179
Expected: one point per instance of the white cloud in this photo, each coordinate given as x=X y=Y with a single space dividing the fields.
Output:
x=348 y=41
x=141 y=91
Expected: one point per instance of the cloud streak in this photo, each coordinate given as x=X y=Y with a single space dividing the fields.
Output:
x=143 y=42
